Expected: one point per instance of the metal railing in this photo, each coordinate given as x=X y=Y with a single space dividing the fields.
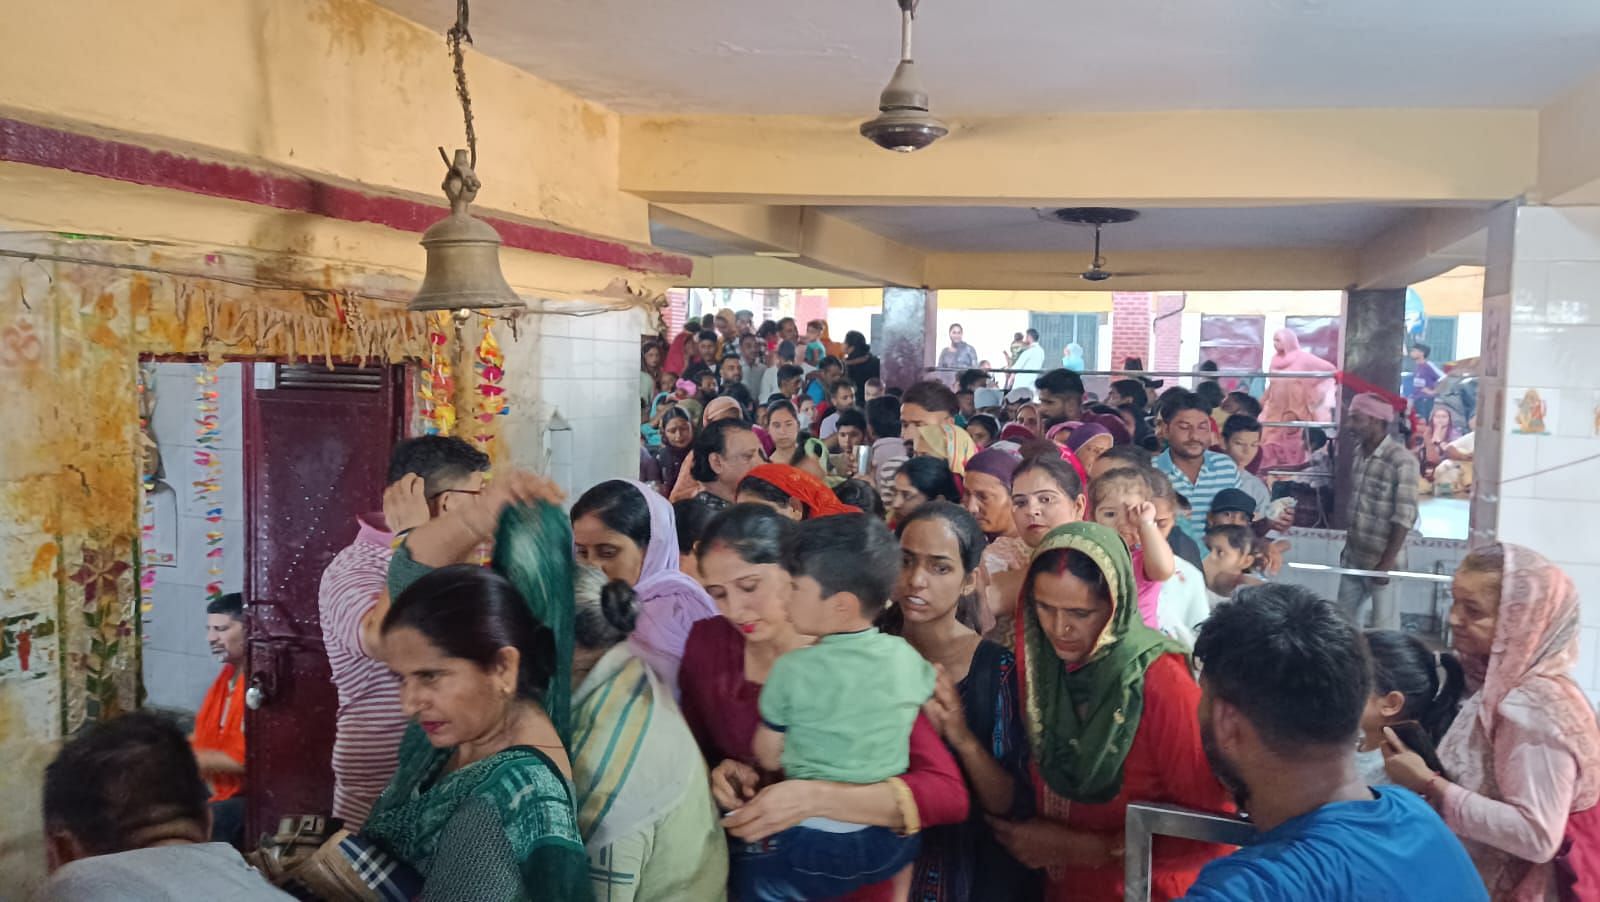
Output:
x=1146 y=820
x=1388 y=574
x=1159 y=374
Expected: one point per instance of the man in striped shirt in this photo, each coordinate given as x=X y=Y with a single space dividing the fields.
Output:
x=352 y=602
x=1196 y=471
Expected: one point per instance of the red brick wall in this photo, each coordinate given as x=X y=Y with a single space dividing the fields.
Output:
x=1168 y=331
x=1130 y=327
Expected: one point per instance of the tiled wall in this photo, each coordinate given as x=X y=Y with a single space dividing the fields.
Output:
x=587 y=369
x=178 y=666
x=1549 y=496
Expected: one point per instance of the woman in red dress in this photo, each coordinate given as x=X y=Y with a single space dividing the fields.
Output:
x=727 y=659
x=1110 y=710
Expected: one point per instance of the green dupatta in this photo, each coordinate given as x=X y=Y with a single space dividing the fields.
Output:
x=1081 y=723
x=533 y=549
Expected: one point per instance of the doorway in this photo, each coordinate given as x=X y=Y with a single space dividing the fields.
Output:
x=260 y=470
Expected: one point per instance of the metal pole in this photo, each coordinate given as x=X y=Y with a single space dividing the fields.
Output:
x=1386 y=574
x=1164 y=374
x=1148 y=819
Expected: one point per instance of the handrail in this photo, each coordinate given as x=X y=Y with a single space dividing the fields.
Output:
x=1146 y=820
x=1386 y=574
x=1164 y=374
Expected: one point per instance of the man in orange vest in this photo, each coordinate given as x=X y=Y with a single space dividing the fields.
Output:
x=218 y=738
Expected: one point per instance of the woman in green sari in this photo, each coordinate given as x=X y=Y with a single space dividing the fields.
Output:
x=1111 y=714
x=481 y=806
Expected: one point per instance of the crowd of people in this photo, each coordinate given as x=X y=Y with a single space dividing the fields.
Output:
x=929 y=646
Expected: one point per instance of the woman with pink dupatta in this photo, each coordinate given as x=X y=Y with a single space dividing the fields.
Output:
x=1293 y=400
x=1522 y=760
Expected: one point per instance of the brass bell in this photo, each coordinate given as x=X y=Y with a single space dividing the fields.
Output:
x=463 y=270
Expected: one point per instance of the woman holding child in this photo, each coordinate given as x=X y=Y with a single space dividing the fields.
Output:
x=729 y=658
x=1110 y=712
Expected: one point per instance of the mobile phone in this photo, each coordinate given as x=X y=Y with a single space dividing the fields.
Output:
x=1416 y=739
x=863 y=456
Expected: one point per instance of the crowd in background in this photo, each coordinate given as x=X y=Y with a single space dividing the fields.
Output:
x=926 y=642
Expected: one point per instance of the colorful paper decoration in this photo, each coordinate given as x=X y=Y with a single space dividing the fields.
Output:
x=208 y=488
x=147 y=486
x=438 y=384
x=490 y=365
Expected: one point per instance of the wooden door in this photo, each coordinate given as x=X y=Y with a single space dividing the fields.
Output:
x=317 y=446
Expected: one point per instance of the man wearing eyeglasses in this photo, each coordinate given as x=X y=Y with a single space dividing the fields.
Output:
x=445 y=472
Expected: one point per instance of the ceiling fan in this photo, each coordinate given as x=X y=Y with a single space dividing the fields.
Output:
x=1099 y=217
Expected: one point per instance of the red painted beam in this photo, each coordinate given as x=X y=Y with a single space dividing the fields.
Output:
x=38 y=145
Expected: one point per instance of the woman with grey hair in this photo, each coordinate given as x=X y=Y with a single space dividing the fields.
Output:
x=644 y=802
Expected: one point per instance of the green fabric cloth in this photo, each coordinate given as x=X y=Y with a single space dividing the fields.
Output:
x=439 y=822
x=1081 y=722
x=533 y=549
x=846 y=705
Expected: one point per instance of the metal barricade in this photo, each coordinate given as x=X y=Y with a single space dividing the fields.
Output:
x=1146 y=820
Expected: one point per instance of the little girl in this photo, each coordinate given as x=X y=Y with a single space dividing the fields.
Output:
x=1409 y=682
x=1122 y=500
x=1230 y=558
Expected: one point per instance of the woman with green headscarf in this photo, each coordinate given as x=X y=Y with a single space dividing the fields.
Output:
x=1110 y=711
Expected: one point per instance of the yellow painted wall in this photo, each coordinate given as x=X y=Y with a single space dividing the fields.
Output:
x=340 y=88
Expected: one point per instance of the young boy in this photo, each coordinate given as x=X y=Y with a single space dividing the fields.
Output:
x=1231 y=507
x=1231 y=557
x=840 y=710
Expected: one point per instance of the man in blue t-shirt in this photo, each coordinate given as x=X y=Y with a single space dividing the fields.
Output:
x=1284 y=679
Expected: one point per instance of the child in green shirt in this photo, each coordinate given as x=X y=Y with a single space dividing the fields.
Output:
x=839 y=710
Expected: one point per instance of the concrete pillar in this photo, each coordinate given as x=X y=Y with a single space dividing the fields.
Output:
x=1374 y=343
x=1539 y=400
x=910 y=335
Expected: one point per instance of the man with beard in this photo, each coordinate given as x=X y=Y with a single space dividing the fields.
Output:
x=1195 y=471
x=218 y=738
x=1060 y=396
x=1284 y=680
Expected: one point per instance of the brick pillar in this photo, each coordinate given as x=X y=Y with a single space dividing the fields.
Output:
x=1168 y=325
x=1130 y=327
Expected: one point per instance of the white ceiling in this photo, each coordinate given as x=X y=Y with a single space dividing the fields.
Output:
x=1021 y=230
x=1004 y=57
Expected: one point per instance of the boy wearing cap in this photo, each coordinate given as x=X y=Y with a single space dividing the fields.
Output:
x=1231 y=506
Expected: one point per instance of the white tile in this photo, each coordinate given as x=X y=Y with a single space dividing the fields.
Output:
x=554 y=325
x=1584 y=672
x=1558 y=234
x=1586 y=579
x=1548 y=525
x=1574 y=480
x=1529 y=291
x=1572 y=294
x=1539 y=356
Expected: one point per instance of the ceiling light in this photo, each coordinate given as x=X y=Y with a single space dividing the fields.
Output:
x=904 y=123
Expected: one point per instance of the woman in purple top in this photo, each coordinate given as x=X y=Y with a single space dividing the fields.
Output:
x=629 y=532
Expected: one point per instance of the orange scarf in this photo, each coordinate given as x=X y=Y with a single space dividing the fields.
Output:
x=220 y=726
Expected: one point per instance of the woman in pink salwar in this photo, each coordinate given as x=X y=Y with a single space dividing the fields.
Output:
x=1522 y=760
x=1293 y=400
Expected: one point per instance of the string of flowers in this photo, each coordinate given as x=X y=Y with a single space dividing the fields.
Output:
x=208 y=488
x=147 y=487
x=490 y=366
x=437 y=389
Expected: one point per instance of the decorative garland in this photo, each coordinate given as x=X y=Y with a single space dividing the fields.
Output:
x=147 y=486
x=437 y=383
x=490 y=366
x=208 y=489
